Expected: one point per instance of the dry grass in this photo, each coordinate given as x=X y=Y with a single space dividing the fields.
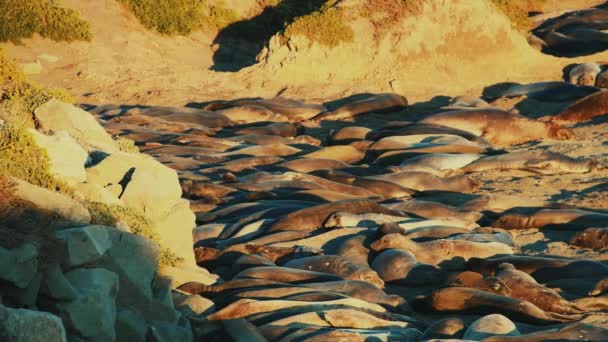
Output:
x=517 y=11
x=327 y=26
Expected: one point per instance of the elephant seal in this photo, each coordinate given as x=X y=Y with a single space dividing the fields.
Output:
x=477 y=281
x=382 y=188
x=542 y=269
x=549 y=91
x=321 y=196
x=286 y=275
x=438 y=251
x=447 y=328
x=465 y=300
x=251 y=114
x=189 y=116
x=540 y=161
x=308 y=164
x=281 y=129
x=348 y=134
x=337 y=265
x=410 y=142
x=419 y=128
x=594 y=238
x=241 y=164
x=584 y=74
x=559 y=219
x=294 y=110
x=444 y=162
x=500 y=128
x=401 y=267
x=601 y=81
x=362 y=290
x=343 y=153
x=524 y=287
x=378 y=103
x=422 y=181
x=585 y=109
x=490 y=325
x=434 y=210
x=340 y=318
x=276 y=150
x=354 y=249
x=571 y=332
x=313 y=218
x=466 y=102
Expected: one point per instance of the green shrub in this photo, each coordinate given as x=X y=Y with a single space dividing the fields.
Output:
x=180 y=16
x=517 y=11
x=111 y=214
x=126 y=145
x=325 y=26
x=22 y=158
x=20 y=97
x=22 y=18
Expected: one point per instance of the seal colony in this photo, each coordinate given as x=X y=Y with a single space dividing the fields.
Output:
x=368 y=220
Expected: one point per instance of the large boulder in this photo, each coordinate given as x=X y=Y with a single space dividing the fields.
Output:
x=19 y=265
x=20 y=325
x=67 y=158
x=92 y=315
x=85 y=244
x=59 y=116
x=55 y=284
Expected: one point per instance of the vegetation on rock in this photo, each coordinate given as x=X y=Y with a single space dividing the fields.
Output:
x=180 y=16
x=126 y=145
x=21 y=19
x=113 y=214
x=517 y=11
x=19 y=97
x=325 y=26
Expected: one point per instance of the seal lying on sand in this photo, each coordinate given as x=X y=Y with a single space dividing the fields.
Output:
x=561 y=219
x=584 y=74
x=377 y=103
x=499 y=127
x=337 y=265
x=585 y=109
x=401 y=267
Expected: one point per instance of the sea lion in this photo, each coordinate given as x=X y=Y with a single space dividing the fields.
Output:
x=378 y=103
x=250 y=114
x=443 y=162
x=348 y=134
x=584 y=74
x=447 y=328
x=490 y=325
x=313 y=218
x=422 y=181
x=594 y=238
x=438 y=251
x=281 y=129
x=343 y=153
x=559 y=219
x=585 y=109
x=462 y=299
x=539 y=161
x=337 y=265
x=434 y=210
x=477 y=281
x=307 y=164
x=401 y=267
x=571 y=332
x=542 y=269
x=499 y=127
x=246 y=307
x=524 y=287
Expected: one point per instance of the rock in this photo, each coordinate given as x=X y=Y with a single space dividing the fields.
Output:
x=92 y=315
x=165 y=332
x=193 y=306
x=175 y=230
x=20 y=325
x=490 y=325
x=56 y=285
x=130 y=325
x=71 y=212
x=85 y=244
x=67 y=159
x=92 y=192
x=19 y=265
x=58 y=116
x=31 y=68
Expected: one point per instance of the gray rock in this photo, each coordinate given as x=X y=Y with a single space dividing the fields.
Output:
x=93 y=314
x=130 y=325
x=167 y=332
x=20 y=325
x=66 y=157
x=193 y=306
x=81 y=125
x=19 y=265
x=85 y=244
x=56 y=285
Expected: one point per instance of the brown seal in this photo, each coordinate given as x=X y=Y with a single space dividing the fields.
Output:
x=377 y=103
x=571 y=332
x=466 y=300
x=585 y=109
x=251 y=114
x=499 y=127
x=313 y=218
x=343 y=153
x=559 y=219
x=286 y=274
x=524 y=287
x=423 y=181
x=281 y=129
x=307 y=164
x=477 y=281
x=401 y=267
x=349 y=134
x=447 y=328
x=337 y=265
x=594 y=238
x=438 y=251
x=434 y=210
x=382 y=188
